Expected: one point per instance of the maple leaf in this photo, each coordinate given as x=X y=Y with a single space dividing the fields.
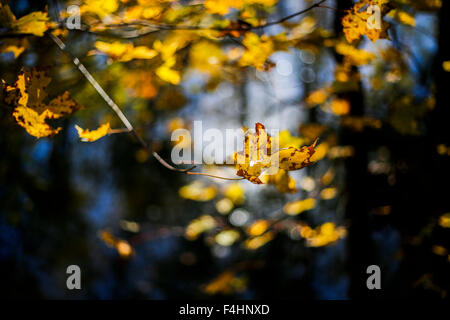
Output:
x=91 y=136
x=356 y=22
x=257 y=157
x=27 y=96
x=256 y=154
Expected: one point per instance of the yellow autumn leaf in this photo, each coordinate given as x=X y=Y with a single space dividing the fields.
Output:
x=124 y=52
x=356 y=56
x=27 y=96
x=166 y=73
x=257 y=242
x=297 y=207
x=87 y=135
x=34 y=23
x=256 y=154
x=257 y=52
x=323 y=235
x=291 y=159
x=358 y=21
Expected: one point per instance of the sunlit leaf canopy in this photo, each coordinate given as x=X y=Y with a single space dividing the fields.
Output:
x=334 y=84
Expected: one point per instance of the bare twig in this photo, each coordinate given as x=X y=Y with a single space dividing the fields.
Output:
x=121 y=115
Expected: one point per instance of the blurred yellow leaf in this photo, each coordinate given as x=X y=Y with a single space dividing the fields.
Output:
x=257 y=51
x=317 y=97
x=328 y=193
x=198 y=192
x=444 y=220
x=257 y=242
x=224 y=206
x=91 y=136
x=325 y=234
x=297 y=207
x=235 y=193
x=124 y=249
x=119 y=51
x=257 y=228
x=197 y=226
x=358 y=21
x=356 y=56
x=227 y=237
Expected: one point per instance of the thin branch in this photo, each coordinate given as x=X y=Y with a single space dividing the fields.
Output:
x=153 y=27
x=121 y=115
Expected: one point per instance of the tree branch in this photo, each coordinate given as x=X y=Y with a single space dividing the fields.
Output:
x=121 y=115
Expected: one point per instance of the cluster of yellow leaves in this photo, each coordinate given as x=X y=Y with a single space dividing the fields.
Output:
x=167 y=50
x=359 y=22
x=323 y=235
x=27 y=95
x=124 y=249
x=35 y=23
x=91 y=136
x=257 y=52
x=222 y=7
x=119 y=51
x=257 y=156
